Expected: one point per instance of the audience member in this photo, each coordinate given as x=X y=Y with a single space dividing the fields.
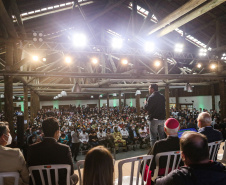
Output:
x=98 y=167
x=75 y=143
x=204 y=123
x=118 y=139
x=198 y=168
x=11 y=159
x=49 y=151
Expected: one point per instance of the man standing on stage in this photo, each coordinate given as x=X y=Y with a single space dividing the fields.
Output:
x=155 y=106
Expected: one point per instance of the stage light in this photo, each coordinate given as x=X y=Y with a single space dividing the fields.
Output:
x=179 y=48
x=114 y=94
x=213 y=66
x=94 y=60
x=124 y=61
x=44 y=59
x=138 y=92
x=35 y=58
x=91 y=96
x=117 y=43
x=101 y=96
x=68 y=60
x=149 y=46
x=157 y=63
x=199 y=65
x=202 y=52
x=79 y=40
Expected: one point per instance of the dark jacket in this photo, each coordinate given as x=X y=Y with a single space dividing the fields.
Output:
x=211 y=134
x=212 y=173
x=156 y=106
x=49 y=151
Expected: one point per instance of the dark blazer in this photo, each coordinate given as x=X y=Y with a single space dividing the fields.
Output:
x=49 y=151
x=156 y=106
x=165 y=145
x=211 y=134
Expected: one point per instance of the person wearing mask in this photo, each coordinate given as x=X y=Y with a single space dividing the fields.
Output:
x=11 y=159
x=84 y=138
x=125 y=133
x=63 y=138
x=110 y=139
x=93 y=140
x=143 y=135
x=75 y=143
x=101 y=135
x=118 y=139
x=98 y=167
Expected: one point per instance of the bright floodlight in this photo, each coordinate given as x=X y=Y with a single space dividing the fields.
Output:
x=149 y=46
x=124 y=61
x=44 y=59
x=199 y=65
x=35 y=58
x=79 y=40
x=68 y=60
x=202 y=52
x=94 y=60
x=179 y=48
x=157 y=63
x=117 y=43
x=213 y=66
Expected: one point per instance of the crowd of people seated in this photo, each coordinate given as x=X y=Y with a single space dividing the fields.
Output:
x=57 y=136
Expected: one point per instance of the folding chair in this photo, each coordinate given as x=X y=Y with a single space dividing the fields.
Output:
x=213 y=149
x=9 y=174
x=224 y=154
x=131 y=178
x=176 y=161
x=47 y=168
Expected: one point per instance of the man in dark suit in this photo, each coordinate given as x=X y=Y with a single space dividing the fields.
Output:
x=49 y=151
x=204 y=123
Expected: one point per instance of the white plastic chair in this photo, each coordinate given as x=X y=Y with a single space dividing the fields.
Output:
x=176 y=161
x=131 y=178
x=81 y=164
x=47 y=168
x=9 y=174
x=213 y=149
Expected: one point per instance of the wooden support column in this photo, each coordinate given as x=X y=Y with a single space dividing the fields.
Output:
x=213 y=97
x=167 y=101
x=138 y=104
x=107 y=100
x=99 y=102
x=32 y=107
x=177 y=99
x=26 y=105
x=8 y=91
x=37 y=104
x=222 y=87
x=124 y=99
x=120 y=102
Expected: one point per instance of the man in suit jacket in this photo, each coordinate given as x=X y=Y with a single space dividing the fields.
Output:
x=49 y=151
x=11 y=159
x=204 y=123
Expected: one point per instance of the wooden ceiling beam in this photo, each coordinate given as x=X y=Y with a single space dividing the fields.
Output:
x=184 y=9
x=190 y=16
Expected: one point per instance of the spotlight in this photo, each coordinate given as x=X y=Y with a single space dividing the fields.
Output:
x=199 y=65
x=35 y=58
x=124 y=61
x=213 y=66
x=79 y=40
x=149 y=46
x=91 y=96
x=94 y=60
x=44 y=59
x=157 y=63
x=68 y=60
x=202 y=52
x=101 y=96
x=179 y=48
x=117 y=43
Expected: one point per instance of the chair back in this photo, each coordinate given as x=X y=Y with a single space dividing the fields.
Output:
x=139 y=160
x=47 y=168
x=81 y=164
x=213 y=149
x=176 y=161
x=9 y=174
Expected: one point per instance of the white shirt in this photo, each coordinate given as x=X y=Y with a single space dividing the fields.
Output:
x=124 y=133
x=143 y=133
x=84 y=137
x=101 y=135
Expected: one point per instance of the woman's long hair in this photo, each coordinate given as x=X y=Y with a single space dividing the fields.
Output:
x=98 y=167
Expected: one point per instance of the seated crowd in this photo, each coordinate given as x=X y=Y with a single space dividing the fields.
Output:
x=57 y=135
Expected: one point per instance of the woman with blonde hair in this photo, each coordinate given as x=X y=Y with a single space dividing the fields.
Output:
x=98 y=167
